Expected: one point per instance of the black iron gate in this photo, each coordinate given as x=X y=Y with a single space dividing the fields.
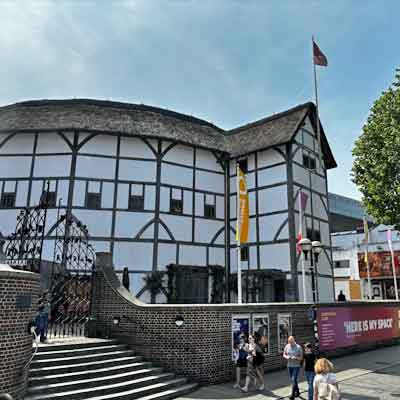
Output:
x=68 y=299
x=71 y=280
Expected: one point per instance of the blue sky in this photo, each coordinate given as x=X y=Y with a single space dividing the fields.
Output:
x=229 y=62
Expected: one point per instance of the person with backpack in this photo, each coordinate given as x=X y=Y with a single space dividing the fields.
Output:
x=310 y=358
x=240 y=353
x=293 y=353
x=325 y=383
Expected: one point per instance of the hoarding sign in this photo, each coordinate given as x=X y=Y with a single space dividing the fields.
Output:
x=380 y=264
x=284 y=330
x=240 y=326
x=348 y=326
x=260 y=324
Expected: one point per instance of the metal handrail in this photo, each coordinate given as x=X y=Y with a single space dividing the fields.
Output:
x=34 y=353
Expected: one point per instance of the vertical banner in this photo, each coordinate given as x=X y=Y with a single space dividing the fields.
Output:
x=260 y=324
x=284 y=330
x=242 y=224
x=349 y=326
x=240 y=327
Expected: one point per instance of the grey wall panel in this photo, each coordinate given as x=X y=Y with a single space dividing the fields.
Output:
x=199 y=204
x=101 y=144
x=272 y=175
x=166 y=255
x=15 y=167
x=187 y=202
x=216 y=256
x=62 y=192
x=18 y=144
x=128 y=224
x=176 y=175
x=52 y=142
x=180 y=154
x=107 y=198
x=79 y=193
x=210 y=182
x=269 y=157
x=192 y=255
x=52 y=166
x=8 y=221
x=275 y=256
x=272 y=199
x=135 y=170
x=270 y=224
x=123 y=195
x=135 y=148
x=22 y=193
x=206 y=229
x=150 y=197
x=164 y=199
x=181 y=227
x=134 y=255
x=205 y=159
x=95 y=167
x=97 y=221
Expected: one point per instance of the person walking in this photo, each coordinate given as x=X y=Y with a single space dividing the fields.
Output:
x=40 y=323
x=255 y=362
x=240 y=353
x=293 y=353
x=325 y=383
x=309 y=364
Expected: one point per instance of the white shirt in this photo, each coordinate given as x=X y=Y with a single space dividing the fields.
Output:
x=324 y=378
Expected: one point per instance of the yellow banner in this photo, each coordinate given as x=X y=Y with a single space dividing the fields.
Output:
x=242 y=224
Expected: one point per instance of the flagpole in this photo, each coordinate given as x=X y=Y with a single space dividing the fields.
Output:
x=303 y=269
x=317 y=108
x=239 y=260
x=393 y=266
x=366 y=233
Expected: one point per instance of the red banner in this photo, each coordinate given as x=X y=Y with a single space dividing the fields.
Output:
x=380 y=264
x=348 y=326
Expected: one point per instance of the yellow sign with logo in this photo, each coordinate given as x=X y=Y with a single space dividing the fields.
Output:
x=242 y=224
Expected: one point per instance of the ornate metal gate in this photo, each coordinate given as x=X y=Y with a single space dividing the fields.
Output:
x=71 y=280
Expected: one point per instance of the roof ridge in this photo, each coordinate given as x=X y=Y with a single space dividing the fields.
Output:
x=115 y=104
x=269 y=118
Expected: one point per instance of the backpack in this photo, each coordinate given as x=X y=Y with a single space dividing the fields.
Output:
x=327 y=391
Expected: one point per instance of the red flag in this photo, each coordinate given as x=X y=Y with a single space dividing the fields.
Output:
x=303 y=200
x=319 y=56
x=298 y=246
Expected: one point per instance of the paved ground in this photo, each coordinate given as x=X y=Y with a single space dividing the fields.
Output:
x=373 y=375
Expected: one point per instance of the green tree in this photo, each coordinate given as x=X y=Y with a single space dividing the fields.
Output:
x=376 y=166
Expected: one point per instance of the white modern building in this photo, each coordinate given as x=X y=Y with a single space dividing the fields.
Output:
x=156 y=187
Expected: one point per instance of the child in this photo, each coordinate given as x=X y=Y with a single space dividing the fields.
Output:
x=309 y=364
x=240 y=357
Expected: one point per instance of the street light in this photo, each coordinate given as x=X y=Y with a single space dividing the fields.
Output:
x=314 y=248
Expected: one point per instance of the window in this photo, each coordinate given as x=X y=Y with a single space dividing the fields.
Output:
x=8 y=200
x=342 y=264
x=244 y=253
x=48 y=199
x=93 y=200
x=243 y=165
x=209 y=206
x=136 y=198
x=176 y=201
x=309 y=162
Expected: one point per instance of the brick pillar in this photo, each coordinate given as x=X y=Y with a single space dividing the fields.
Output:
x=19 y=291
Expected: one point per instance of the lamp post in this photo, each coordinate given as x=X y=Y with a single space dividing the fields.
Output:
x=314 y=248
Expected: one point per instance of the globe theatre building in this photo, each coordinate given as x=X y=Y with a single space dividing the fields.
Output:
x=157 y=188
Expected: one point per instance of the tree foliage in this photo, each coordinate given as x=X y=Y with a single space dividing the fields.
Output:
x=376 y=166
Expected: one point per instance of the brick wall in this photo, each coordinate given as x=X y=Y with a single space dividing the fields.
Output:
x=202 y=347
x=18 y=299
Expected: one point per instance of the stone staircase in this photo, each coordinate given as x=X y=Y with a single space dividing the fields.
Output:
x=98 y=371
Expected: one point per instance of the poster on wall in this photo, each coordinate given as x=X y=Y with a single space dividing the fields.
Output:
x=348 y=326
x=380 y=264
x=260 y=324
x=284 y=330
x=240 y=327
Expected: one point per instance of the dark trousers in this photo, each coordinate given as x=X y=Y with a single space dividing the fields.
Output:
x=294 y=376
x=310 y=375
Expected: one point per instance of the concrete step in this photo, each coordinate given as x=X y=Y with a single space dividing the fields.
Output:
x=172 y=393
x=78 y=352
x=135 y=389
x=51 y=377
x=37 y=363
x=76 y=345
x=67 y=385
x=42 y=368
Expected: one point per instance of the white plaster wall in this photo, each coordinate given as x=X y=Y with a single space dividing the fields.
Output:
x=318 y=207
x=15 y=167
x=181 y=227
x=52 y=142
x=150 y=197
x=36 y=192
x=301 y=175
x=192 y=255
x=343 y=285
x=79 y=193
x=296 y=190
x=166 y=255
x=176 y=175
x=324 y=266
x=134 y=170
x=272 y=175
x=107 y=197
x=220 y=207
x=95 y=167
x=325 y=290
x=205 y=159
x=18 y=144
x=298 y=153
x=270 y=224
x=233 y=206
x=101 y=144
x=22 y=193
x=8 y=221
x=318 y=183
x=275 y=256
x=216 y=256
x=209 y=181
x=128 y=224
x=98 y=222
x=272 y=199
x=52 y=166
x=206 y=229
x=270 y=157
x=180 y=154
x=134 y=255
x=135 y=148
x=164 y=199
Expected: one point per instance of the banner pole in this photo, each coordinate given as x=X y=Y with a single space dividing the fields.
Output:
x=317 y=110
x=239 y=260
x=393 y=264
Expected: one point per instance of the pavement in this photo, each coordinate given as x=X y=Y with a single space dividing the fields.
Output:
x=372 y=375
